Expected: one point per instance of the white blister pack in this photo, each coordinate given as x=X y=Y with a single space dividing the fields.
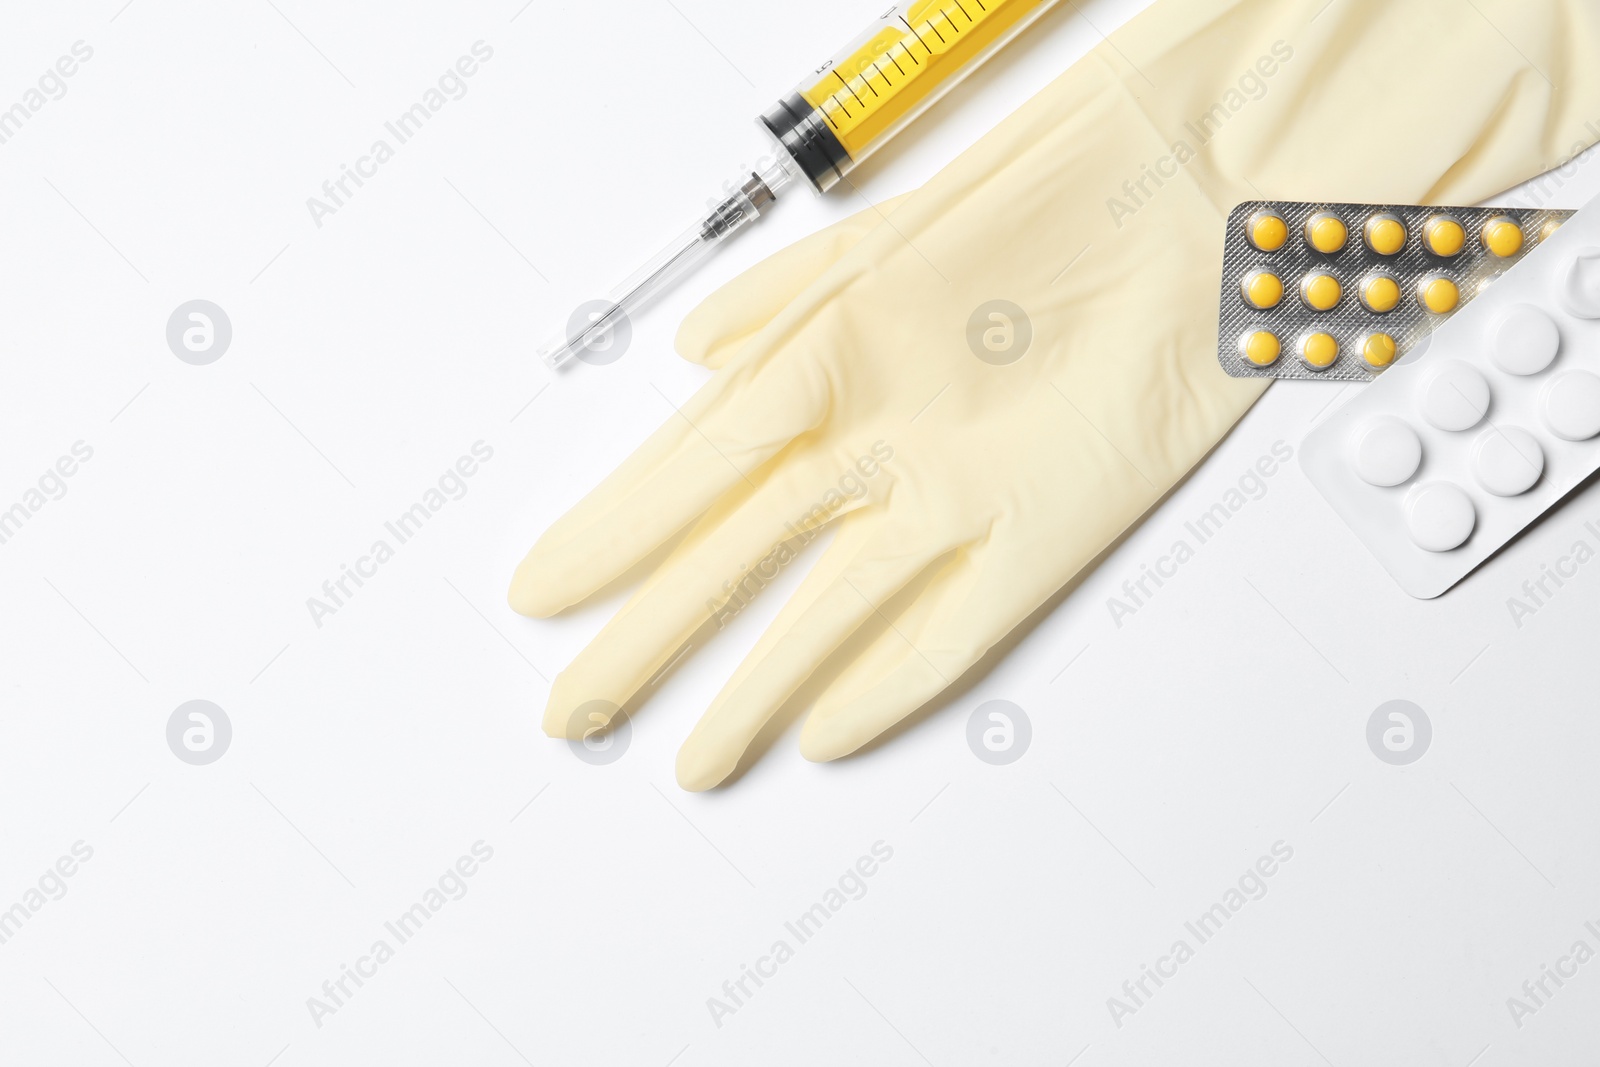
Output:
x=1463 y=444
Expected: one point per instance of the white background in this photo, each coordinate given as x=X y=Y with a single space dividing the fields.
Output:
x=371 y=752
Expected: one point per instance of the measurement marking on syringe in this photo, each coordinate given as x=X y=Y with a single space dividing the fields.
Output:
x=929 y=23
x=882 y=75
x=917 y=35
x=963 y=11
x=851 y=91
x=890 y=57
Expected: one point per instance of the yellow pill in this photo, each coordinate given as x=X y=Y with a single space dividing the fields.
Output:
x=1326 y=232
x=1260 y=348
x=1444 y=236
x=1385 y=234
x=1438 y=294
x=1321 y=292
x=1318 y=350
x=1378 y=349
x=1267 y=231
x=1380 y=293
x=1262 y=289
x=1502 y=236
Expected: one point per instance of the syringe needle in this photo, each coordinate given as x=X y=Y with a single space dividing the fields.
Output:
x=732 y=214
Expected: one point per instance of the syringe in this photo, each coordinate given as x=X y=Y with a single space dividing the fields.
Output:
x=849 y=106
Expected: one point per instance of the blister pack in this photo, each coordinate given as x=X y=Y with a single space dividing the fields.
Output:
x=1340 y=291
x=1457 y=449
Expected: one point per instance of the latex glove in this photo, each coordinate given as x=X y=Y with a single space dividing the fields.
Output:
x=1006 y=480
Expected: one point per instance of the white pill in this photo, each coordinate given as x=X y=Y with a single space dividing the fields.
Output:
x=1455 y=397
x=1571 y=403
x=1525 y=340
x=1439 y=516
x=1386 y=450
x=1506 y=460
x=1580 y=289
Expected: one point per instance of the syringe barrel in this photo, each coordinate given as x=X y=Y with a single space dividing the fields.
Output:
x=900 y=66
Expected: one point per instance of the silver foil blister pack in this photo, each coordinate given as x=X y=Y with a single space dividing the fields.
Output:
x=1341 y=291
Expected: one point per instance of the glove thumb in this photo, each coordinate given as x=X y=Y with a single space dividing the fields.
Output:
x=715 y=329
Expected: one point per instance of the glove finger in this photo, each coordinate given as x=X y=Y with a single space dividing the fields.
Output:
x=733 y=314
x=721 y=439
x=968 y=607
x=987 y=590
x=730 y=554
x=871 y=560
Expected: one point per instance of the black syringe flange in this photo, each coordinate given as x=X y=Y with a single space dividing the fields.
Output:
x=803 y=132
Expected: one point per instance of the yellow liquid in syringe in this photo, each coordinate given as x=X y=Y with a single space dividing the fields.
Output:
x=870 y=89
